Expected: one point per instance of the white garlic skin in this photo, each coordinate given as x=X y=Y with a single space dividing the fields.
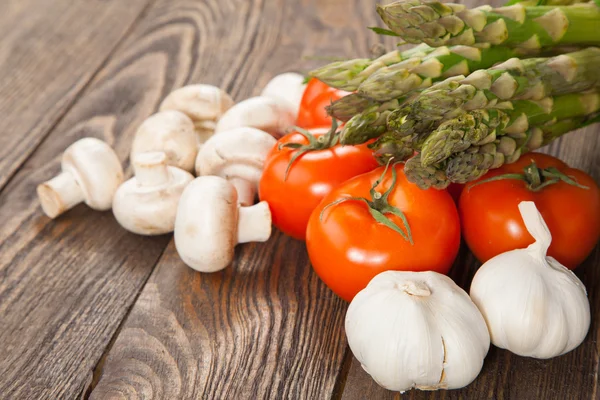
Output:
x=532 y=309
x=417 y=330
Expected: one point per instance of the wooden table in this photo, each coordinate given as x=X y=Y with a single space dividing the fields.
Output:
x=89 y=310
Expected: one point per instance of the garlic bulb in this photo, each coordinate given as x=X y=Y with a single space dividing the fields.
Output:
x=417 y=330
x=533 y=305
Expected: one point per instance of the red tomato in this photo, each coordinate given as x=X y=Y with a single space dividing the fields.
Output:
x=492 y=223
x=317 y=96
x=347 y=247
x=311 y=177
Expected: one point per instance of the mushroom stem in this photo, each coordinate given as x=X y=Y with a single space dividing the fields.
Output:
x=59 y=194
x=254 y=223
x=151 y=168
x=246 y=190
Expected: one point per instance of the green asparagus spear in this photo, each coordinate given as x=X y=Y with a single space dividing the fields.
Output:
x=439 y=24
x=348 y=75
x=472 y=163
x=533 y=78
x=396 y=80
x=531 y=3
x=366 y=119
x=483 y=126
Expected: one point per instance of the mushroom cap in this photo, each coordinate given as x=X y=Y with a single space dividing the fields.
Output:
x=287 y=87
x=204 y=104
x=238 y=153
x=206 y=224
x=150 y=209
x=171 y=132
x=96 y=169
x=263 y=113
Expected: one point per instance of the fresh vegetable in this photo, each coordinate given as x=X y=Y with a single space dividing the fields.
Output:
x=317 y=96
x=530 y=79
x=417 y=330
x=568 y=199
x=239 y=156
x=485 y=126
x=440 y=24
x=379 y=221
x=203 y=104
x=90 y=172
x=171 y=132
x=396 y=73
x=287 y=88
x=475 y=161
x=265 y=113
x=209 y=223
x=416 y=73
x=302 y=169
x=533 y=305
x=146 y=204
x=349 y=75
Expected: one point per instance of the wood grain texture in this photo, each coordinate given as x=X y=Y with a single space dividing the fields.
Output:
x=266 y=327
x=66 y=285
x=49 y=51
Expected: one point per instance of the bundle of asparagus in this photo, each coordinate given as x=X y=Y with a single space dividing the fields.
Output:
x=528 y=27
x=479 y=102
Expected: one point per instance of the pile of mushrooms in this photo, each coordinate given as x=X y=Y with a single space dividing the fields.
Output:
x=198 y=128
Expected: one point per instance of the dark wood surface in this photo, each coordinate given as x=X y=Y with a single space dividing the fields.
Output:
x=89 y=310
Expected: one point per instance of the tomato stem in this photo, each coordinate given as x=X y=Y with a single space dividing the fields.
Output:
x=536 y=178
x=326 y=141
x=379 y=205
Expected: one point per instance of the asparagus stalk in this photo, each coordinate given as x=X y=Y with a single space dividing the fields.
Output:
x=474 y=162
x=439 y=24
x=365 y=119
x=483 y=126
x=396 y=80
x=531 y=3
x=349 y=75
x=533 y=78
x=422 y=65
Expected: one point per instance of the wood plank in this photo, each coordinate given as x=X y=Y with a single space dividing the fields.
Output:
x=266 y=327
x=66 y=285
x=49 y=51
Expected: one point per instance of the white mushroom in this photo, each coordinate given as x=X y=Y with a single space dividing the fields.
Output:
x=287 y=88
x=204 y=104
x=91 y=173
x=237 y=155
x=171 y=132
x=209 y=224
x=261 y=113
x=147 y=203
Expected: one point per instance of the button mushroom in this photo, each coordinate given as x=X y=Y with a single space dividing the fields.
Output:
x=209 y=224
x=171 y=132
x=147 y=203
x=263 y=113
x=288 y=88
x=237 y=155
x=91 y=173
x=204 y=104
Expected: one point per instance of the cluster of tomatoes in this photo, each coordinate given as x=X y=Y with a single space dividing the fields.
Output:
x=359 y=218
